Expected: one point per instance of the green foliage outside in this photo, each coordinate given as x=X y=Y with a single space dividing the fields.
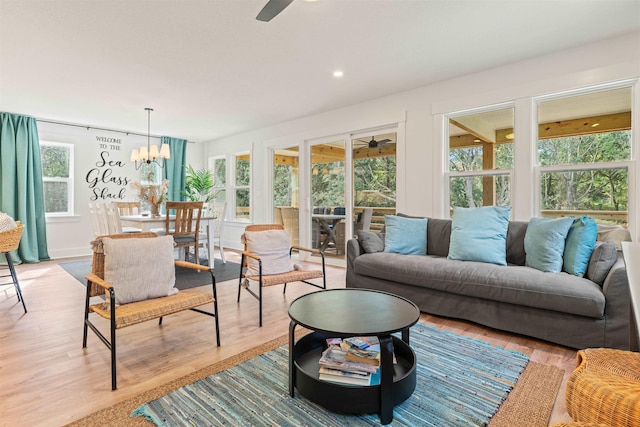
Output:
x=585 y=189
x=243 y=195
x=282 y=185
x=374 y=180
x=467 y=191
x=55 y=164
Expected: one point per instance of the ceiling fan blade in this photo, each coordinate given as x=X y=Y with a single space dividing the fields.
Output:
x=384 y=141
x=271 y=9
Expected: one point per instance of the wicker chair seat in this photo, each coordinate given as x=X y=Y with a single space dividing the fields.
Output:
x=141 y=311
x=605 y=387
x=292 y=276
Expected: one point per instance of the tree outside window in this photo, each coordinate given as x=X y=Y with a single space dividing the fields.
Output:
x=242 y=190
x=57 y=177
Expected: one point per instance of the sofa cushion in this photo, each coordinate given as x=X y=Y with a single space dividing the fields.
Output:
x=480 y=234
x=603 y=257
x=578 y=246
x=544 y=243
x=370 y=242
x=405 y=235
x=438 y=236
x=510 y=284
x=515 y=242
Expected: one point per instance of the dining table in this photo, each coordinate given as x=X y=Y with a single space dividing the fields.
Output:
x=327 y=223
x=150 y=223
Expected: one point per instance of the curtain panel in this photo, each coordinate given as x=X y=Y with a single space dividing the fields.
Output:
x=21 y=188
x=174 y=169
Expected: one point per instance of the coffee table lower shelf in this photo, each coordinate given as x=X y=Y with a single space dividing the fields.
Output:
x=346 y=398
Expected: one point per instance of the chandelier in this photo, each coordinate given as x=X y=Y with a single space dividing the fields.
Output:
x=150 y=153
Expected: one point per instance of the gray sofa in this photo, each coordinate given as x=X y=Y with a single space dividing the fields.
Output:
x=557 y=307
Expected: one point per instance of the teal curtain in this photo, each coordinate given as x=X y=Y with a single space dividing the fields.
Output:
x=21 y=191
x=174 y=169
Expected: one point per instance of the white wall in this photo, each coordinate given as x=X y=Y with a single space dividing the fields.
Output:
x=417 y=112
x=95 y=180
x=420 y=160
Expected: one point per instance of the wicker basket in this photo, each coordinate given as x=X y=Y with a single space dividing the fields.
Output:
x=10 y=239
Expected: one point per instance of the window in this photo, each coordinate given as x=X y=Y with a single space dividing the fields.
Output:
x=242 y=189
x=57 y=177
x=374 y=176
x=219 y=167
x=584 y=149
x=481 y=157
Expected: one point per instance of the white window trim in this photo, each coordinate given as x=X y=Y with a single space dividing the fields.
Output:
x=69 y=180
x=235 y=187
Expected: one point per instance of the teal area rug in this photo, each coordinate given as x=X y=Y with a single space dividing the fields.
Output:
x=460 y=382
x=185 y=277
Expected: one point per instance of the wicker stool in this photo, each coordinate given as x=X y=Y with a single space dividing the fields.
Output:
x=605 y=388
x=9 y=241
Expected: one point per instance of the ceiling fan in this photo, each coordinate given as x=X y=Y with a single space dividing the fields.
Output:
x=272 y=9
x=376 y=144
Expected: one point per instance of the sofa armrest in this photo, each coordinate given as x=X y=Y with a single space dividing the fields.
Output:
x=617 y=308
x=354 y=250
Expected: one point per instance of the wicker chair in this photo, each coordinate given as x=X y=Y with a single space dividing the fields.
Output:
x=121 y=316
x=9 y=241
x=297 y=275
x=605 y=388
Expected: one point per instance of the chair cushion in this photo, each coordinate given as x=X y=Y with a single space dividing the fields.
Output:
x=139 y=269
x=272 y=246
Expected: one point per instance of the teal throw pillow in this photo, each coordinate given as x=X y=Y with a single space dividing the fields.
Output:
x=544 y=243
x=579 y=245
x=405 y=235
x=480 y=234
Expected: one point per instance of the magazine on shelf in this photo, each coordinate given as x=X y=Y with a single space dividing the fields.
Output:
x=342 y=377
x=335 y=358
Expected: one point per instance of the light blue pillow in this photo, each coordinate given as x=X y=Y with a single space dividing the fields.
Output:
x=480 y=234
x=405 y=235
x=579 y=245
x=544 y=243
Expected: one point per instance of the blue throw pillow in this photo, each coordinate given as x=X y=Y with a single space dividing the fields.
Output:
x=405 y=235
x=544 y=243
x=480 y=234
x=579 y=245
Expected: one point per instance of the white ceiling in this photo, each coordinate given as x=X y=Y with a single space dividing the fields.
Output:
x=209 y=69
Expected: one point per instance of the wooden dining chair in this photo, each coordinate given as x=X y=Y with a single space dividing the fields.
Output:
x=266 y=259
x=128 y=208
x=186 y=230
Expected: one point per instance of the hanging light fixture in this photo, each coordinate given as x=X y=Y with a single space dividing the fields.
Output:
x=150 y=153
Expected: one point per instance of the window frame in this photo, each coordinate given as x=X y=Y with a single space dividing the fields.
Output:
x=629 y=164
x=448 y=174
x=69 y=181
x=235 y=187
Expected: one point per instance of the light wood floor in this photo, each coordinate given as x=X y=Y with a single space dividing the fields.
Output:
x=48 y=379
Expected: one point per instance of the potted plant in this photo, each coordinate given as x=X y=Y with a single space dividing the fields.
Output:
x=199 y=185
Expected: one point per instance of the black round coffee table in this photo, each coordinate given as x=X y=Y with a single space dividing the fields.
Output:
x=346 y=313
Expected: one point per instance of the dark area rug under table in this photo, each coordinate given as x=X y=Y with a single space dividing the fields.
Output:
x=185 y=278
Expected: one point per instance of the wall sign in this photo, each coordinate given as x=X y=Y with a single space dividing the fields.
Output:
x=108 y=180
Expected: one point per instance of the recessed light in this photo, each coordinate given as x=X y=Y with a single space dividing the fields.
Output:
x=338 y=73
x=509 y=136
x=595 y=125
